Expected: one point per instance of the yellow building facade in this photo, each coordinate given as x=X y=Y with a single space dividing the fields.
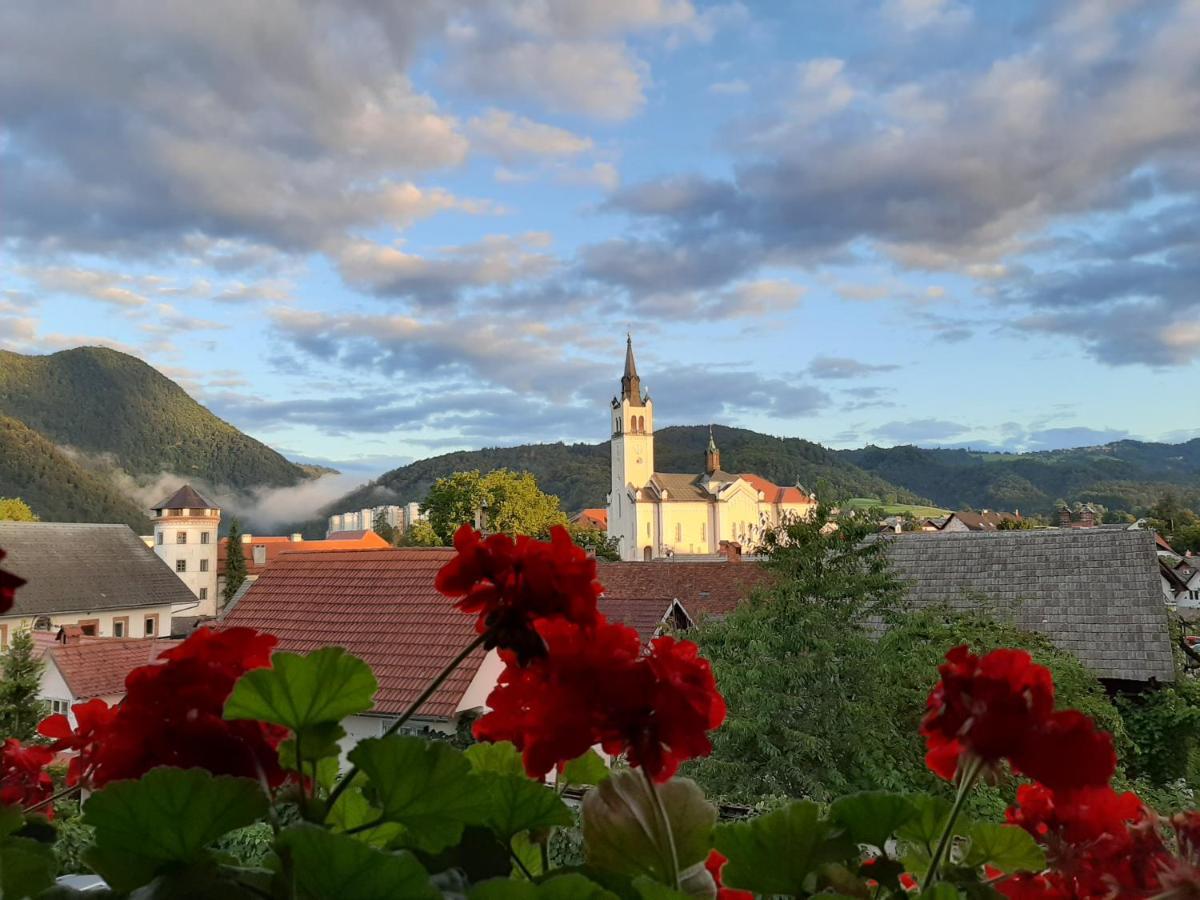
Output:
x=656 y=515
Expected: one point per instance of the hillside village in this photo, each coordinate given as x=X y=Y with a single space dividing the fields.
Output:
x=102 y=600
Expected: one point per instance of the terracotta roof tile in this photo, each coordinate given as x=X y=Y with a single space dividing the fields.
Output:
x=98 y=668
x=591 y=518
x=276 y=546
x=702 y=588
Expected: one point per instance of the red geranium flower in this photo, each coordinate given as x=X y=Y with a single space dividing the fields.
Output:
x=511 y=584
x=985 y=707
x=8 y=587
x=1066 y=752
x=715 y=862
x=172 y=714
x=1027 y=886
x=92 y=720
x=23 y=779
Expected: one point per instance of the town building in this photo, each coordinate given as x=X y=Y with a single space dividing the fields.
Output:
x=185 y=538
x=984 y=520
x=595 y=518
x=78 y=669
x=260 y=551
x=400 y=518
x=656 y=515
x=101 y=578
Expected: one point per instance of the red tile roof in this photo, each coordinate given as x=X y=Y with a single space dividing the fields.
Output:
x=380 y=605
x=773 y=492
x=702 y=588
x=591 y=518
x=644 y=616
x=348 y=535
x=98 y=668
x=276 y=546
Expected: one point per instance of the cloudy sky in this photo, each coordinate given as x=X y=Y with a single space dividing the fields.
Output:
x=366 y=232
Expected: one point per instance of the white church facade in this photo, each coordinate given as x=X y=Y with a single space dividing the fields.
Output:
x=657 y=515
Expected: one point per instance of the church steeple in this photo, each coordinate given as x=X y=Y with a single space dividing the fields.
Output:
x=712 y=456
x=631 y=384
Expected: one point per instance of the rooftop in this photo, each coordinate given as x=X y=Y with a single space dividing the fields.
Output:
x=186 y=497
x=1094 y=592
x=98 y=668
x=274 y=547
x=73 y=567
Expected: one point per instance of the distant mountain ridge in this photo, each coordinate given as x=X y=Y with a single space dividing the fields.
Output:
x=115 y=411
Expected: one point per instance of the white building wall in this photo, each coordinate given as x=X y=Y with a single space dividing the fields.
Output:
x=197 y=554
x=134 y=620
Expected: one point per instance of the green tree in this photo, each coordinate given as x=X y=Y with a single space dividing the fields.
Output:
x=383 y=528
x=1171 y=512
x=20 y=687
x=596 y=542
x=502 y=500
x=419 y=534
x=14 y=509
x=235 y=562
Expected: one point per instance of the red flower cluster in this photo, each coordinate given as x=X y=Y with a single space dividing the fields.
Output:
x=512 y=584
x=23 y=779
x=1001 y=706
x=1098 y=844
x=715 y=862
x=8 y=587
x=172 y=716
x=599 y=686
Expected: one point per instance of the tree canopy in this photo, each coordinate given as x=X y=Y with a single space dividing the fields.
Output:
x=235 y=562
x=499 y=501
x=13 y=509
x=20 y=687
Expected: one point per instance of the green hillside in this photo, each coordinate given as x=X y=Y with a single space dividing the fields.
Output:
x=55 y=486
x=100 y=401
x=1124 y=475
x=579 y=473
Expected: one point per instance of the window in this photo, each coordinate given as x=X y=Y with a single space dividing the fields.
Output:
x=647 y=529
x=121 y=627
x=204 y=565
x=204 y=537
x=3 y=637
x=151 y=625
x=41 y=623
x=678 y=533
x=181 y=537
x=59 y=707
x=160 y=538
x=90 y=627
x=181 y=565
x=203 y=593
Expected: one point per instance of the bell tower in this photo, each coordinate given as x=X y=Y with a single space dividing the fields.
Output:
x=631 y=422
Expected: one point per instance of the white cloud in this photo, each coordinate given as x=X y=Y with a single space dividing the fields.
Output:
x=511 y=137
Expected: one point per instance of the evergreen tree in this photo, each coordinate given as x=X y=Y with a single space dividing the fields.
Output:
x=235 y=563
x=20 y=706
x=383 y=528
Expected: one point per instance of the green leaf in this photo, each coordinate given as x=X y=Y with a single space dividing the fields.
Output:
x=1009 y=848
x=27 y=867
x=516 y=804
x=621 y=830
x=167 y=816
x=305 y=693
x=940 y=891
x=560 y=887
x=590 y=768
x=501 y=758
x=352 y=810
x=11 y=819
x=872 y=817
x=778 y=853
x=926 y=827
x=332 y=865
x=426 y=786
x=649 y=889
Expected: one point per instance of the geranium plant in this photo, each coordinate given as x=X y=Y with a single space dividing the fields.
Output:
x=223 y=732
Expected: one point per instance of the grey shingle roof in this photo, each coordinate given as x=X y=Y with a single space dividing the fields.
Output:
x=85 y=568
x=681 y=486
x=1094 y=592
x=187 y=497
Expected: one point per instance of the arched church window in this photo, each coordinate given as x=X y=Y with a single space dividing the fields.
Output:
x=641 y=424
x=678 y=532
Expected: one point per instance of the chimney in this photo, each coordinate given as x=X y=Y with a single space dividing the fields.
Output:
x=1087 y=517
x=297 y=537
x=260 y=555
x=1064 y=517
x=732 y=551
x=247 y=538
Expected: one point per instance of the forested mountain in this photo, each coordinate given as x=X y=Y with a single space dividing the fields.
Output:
x=579 y=473
x=56 y=487
x=1124 y=475
x=99 y=401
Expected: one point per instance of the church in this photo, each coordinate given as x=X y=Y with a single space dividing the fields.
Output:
x=658 y=515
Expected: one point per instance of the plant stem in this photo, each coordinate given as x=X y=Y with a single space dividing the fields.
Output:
x=53 y=798
x=520 y=865
x=964 y=787
x=661 y=813
x=341 y=786
x=365 y=826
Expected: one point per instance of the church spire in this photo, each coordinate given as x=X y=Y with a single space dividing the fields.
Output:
x=712 y=456
x=631 y=384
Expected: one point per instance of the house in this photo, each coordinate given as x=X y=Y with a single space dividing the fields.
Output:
x=102 y=578
x=77 y=670
x=985 y=520
x=185 y=538
x=259 y=551
x=400 y=518
x=595 y=517
x=1095 y=592
x=381 y=605
x=1180 y=582
x=654 y=514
